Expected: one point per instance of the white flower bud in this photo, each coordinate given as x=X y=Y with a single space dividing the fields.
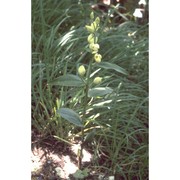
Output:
x=97 y=80
x=81 y=70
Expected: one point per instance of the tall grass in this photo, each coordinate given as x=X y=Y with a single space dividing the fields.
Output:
x=119 y=138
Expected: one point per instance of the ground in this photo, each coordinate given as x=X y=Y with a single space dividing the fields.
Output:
x=55 y=160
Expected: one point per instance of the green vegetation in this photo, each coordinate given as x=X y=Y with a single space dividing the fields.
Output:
x=110 y=119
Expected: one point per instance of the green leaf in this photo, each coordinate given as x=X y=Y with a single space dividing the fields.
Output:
x=107 y=65
x=99 y=91
x=81 y=174
x=68 y=80
x=89 y=137
x=71 y=116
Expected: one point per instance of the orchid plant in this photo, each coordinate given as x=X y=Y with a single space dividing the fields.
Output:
x=84 y=80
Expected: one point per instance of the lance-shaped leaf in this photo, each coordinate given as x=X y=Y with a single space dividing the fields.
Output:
x=68 y=80
x=71 y=116
x=107 y=65
x=99 y=91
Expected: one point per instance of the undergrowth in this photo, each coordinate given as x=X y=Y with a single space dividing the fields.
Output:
x=117 y=128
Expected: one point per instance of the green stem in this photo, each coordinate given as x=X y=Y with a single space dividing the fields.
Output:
x=86 y=89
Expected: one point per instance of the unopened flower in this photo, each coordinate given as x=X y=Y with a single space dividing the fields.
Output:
x=94 y=48
x=92 y=15
x=81 y=70
x=97 y=57
x=90 y=29
x=97 y=80
x=97 y=20
x=93 y=27
x=92 y=39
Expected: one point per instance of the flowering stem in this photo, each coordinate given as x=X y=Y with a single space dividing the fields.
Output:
x=93 y=47
x=86 y=89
